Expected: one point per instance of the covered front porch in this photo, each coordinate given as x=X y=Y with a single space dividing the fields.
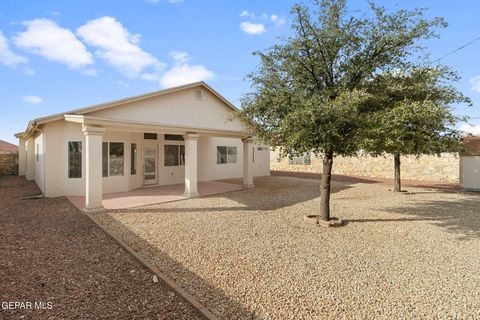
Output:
x=100 y=178
x=154 y=195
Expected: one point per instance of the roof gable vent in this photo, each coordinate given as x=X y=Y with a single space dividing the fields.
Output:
x=198 y=94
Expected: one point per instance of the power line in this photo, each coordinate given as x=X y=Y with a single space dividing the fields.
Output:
x=456 y=50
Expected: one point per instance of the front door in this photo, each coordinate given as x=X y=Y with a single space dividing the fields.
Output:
x=149 y=164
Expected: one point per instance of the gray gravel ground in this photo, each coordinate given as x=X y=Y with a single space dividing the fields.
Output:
x=50 y=252
x=249 y=254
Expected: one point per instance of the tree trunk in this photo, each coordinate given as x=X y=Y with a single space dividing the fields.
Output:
x=397 y=184
x=325 y=186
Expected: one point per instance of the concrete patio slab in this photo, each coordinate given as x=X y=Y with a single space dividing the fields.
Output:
x=156 y=194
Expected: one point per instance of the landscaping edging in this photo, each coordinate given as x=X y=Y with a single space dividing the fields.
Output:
x=163 y=279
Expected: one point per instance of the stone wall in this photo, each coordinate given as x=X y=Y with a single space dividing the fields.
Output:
x=427 y=168
x=8 y=163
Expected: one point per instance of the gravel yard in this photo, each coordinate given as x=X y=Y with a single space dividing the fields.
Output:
x=50 y=252
x=249 y=254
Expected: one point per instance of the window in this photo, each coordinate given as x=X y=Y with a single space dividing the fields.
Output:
x=74 y=159
x=112 y=159
x=104 y=159
x=116 y=158
x=38 y=149
x=174 y=155
x=150 y=136
x=226 y=154
x=302 y=160
x=174 y=137
x=133 y=159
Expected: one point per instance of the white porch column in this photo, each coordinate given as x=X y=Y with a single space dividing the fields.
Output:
x=93 y=168
x=248 y=162
x=22 y=157
x=191 y=190
x=30 y=161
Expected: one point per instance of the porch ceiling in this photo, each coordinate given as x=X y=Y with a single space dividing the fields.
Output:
x=137 y=126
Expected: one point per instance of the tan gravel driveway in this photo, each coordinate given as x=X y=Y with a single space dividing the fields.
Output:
x=50 y=252
x=248 y=254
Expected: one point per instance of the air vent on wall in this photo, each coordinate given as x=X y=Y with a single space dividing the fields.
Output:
x=198 y=94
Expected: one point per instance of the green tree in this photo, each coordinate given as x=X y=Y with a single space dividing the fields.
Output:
x=309 y=91
x=416 y=117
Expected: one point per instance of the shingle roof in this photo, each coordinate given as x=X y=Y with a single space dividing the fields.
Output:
x=8 y=147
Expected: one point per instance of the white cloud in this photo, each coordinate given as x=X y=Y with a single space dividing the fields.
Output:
x=117 y=46
x=175 y=1
x=277 y=20
x=475 y=84
x=28 y=71
x=150 y=76
x=32 y=99
x=252 y=28
x=179 y=56
x=471 y=128
x=90 y=72
x=44 y=37
x=7 y=57
x=247 y=14
x=185 y=73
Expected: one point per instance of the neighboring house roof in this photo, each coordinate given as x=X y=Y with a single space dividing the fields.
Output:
x=111 y=104
x=8 y=147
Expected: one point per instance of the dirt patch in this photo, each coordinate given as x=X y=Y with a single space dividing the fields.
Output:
x=53 y=253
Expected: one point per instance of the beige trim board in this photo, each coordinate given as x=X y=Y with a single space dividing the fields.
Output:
x=140 y=126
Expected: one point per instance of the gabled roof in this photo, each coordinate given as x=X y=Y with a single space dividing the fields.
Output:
x=115 y=103
x=8 y=147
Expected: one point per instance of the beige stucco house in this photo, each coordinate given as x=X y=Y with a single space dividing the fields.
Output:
x=179 y=135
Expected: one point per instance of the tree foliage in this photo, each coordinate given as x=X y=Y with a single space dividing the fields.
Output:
x=311 y=91
x=416 y=116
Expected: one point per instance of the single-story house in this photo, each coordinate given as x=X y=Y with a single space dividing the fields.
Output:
x=183 y=134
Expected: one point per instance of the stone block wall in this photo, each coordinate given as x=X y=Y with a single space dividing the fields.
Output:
x=8 y=163
x=427 y=168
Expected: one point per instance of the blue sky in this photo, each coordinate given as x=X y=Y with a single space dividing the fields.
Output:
x=60 y=55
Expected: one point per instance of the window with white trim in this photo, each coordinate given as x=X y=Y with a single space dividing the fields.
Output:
x=174 y=155
x=226 y=154
x=300 y=159
x=113 y=159
x=74 y=159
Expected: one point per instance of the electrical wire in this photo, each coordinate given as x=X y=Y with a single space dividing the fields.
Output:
x=456 y=50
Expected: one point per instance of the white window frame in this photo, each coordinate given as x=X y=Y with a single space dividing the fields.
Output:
x=226 y=150
x=108 y=158
x=68 y=159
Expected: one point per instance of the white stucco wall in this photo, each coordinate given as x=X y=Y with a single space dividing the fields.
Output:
x=180 y=108
x=470 y=172
x=177 y=108
x=39 y=160
x=58 y=133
